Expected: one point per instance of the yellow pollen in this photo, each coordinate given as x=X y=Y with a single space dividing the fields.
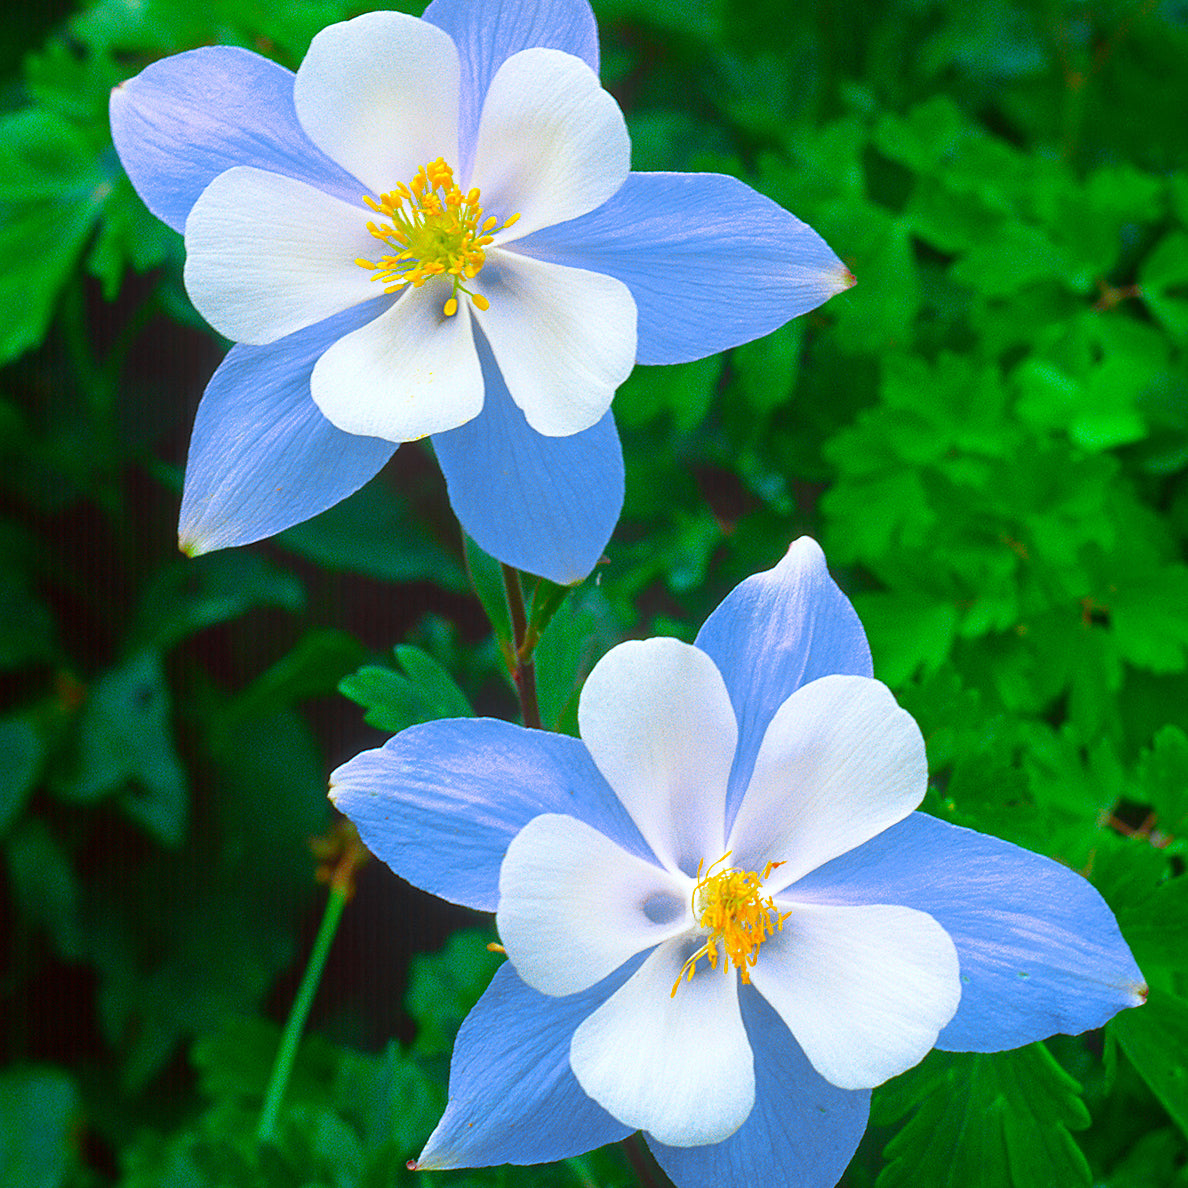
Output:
x=738 y=916
x=433 y=230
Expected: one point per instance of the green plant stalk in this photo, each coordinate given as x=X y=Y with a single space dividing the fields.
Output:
x=523 y=670
x=295 y=1025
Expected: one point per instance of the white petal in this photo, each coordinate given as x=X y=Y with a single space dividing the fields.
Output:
x=410 y=372
x=573 y=906
x=839 y=763
x=655 y=716
x=552 y=144
x=267 y=255
x=678 y=1066
x=379 y=95
x=865 y=990
x=564 y=338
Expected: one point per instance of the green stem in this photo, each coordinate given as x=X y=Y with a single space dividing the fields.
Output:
x=291 y=1037
x=524 y=671
x=640 y=1159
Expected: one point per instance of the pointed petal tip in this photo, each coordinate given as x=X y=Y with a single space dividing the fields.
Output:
x=805 y=544
x=1138 y=993
x=846 y=280
x=431 y=1159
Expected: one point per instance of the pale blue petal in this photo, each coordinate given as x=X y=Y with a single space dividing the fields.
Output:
x=801 y=1133
x=774 y=632
x=184 y=120
x=710 y=262
x=488 y=32
x=262 y=457
x=546 y=505
x=513 y=1097
x=440 y=802
x=1040 y=951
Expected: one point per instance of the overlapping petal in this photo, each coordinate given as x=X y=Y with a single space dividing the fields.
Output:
x=564 y=339
x=801 y=1132
x=656 y=719
x=1040 y=950
x=267 y=255
x=710 y=262
x=566 y=492
x=552 y=144
x=185 y=119
x=774 y=632
x=379 y=95
x=513 y=1096
x=679 y=1067
x=262 y=457
x=839 y=763
x=865 y=990
x=573 y=906
x=488 y=32
x=441 y=802
x=411 y=372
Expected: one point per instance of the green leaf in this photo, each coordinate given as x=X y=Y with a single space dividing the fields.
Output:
x=1163 y=280
x=21 y=754
x=45 y=885
x=1162 y=780
x=765 y=370
x=582 y=631
x=128 y=234
x=26 y=628
x=443 y=986
x=908 y=631
x=684 y=391
x=391 y=1097
x=376 y=533
x=184 y=939
x=235 y=1061
x=314 y=667
x=51 y=193
x=1155 y=1040
x=39 y=1114
x=1147 y=617
x=998 y=1121
x=126 y=736
x=394 y=701
x=547 y=599
x=486 y=581
x=188 y=595
x=1150 y=904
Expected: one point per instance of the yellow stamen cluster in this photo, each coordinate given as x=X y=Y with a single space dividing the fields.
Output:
x=738 y=916
x=433 y=230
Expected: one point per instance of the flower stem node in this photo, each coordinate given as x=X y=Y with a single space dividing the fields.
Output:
x=433 y=230
x=731 y=906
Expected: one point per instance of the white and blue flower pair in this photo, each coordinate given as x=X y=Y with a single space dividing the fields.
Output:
x=471 y=163
x=766 y=758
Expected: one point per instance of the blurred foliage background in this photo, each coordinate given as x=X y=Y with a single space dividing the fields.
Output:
x=989 y=435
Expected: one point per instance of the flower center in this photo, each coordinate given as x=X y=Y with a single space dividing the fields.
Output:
x=731 y=907
x=433 y=230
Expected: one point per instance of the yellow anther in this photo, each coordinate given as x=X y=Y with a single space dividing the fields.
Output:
x=730 y=906
x=434 y=230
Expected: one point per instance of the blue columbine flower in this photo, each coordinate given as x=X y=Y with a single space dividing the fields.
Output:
x=724 y=922
x=432 y=229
